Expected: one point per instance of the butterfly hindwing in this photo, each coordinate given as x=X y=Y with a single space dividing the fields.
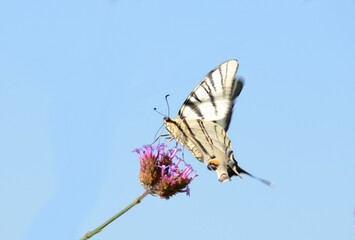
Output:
x=207 y=141
x=210 y=138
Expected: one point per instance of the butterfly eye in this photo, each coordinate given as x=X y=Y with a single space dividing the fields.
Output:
x=212 y=167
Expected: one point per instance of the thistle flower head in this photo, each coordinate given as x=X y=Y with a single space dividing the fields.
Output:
x=160 y=172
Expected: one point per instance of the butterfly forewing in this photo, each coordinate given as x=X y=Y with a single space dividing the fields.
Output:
x=213 y=99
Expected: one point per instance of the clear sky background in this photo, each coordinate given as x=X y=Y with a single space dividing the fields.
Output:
x=78 y=84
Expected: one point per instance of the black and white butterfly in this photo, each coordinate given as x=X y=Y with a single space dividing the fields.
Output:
x=204 y=118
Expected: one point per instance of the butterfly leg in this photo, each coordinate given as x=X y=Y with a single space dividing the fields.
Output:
x=167 y=136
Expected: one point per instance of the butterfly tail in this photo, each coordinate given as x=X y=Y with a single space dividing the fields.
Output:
x=237 y=170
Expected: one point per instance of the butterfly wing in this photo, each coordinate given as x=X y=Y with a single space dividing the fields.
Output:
x=207 y=141
x=213 y=98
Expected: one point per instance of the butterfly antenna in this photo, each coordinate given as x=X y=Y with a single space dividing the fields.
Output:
x=155 y=109
x=167 y=104
x=238 y=170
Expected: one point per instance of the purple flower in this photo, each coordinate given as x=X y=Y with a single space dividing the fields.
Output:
x=160 y=172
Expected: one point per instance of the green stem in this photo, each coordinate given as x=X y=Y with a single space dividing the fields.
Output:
x=113 y=218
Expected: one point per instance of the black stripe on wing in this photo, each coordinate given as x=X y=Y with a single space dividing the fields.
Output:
x=193 y=106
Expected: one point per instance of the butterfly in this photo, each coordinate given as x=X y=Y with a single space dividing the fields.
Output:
x=203 y=120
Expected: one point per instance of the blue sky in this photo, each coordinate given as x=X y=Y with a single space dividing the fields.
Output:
x=78 y=84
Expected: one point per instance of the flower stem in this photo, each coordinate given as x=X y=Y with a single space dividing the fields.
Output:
x=113 y=218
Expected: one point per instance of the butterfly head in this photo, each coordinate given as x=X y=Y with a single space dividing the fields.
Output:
x=167 y=119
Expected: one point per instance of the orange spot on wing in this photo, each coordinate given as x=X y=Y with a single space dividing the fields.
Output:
x=214 y=161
